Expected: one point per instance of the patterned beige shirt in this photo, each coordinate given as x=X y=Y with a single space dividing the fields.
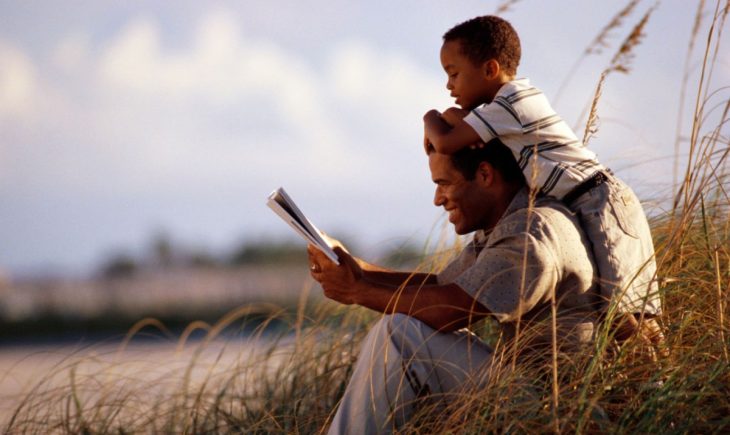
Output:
x=529 y=257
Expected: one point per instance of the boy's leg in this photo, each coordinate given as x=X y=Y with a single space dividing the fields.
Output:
x=401 y=361
x=614 y=221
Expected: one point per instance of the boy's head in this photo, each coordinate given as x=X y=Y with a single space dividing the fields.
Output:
x=479 y=56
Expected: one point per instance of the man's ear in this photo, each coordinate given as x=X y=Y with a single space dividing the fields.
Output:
x=485 y=174
x=491 y=68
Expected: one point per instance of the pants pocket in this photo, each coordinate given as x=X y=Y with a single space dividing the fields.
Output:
x=623 y=204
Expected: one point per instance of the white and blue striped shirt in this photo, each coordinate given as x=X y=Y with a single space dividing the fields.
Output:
x=546 y=148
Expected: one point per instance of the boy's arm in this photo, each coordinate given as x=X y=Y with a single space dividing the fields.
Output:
x=445 y=138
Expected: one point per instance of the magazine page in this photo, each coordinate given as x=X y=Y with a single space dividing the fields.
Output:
x=282 y=204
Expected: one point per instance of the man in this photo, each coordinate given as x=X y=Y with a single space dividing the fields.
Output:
x=523 y=258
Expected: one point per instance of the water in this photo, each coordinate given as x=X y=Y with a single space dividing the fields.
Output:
x=150 y=369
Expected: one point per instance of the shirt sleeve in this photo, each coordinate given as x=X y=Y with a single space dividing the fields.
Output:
x=458 y=265
x=495 y=119
x=511 y=276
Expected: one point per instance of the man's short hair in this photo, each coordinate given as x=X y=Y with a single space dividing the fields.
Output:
x=494 y=152
x=488 y=37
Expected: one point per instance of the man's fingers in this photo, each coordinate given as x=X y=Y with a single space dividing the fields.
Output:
x=315 y=261
x=343 y=256
x=347 y=260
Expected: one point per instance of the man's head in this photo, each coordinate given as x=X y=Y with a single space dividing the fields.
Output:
x=475 y=185
x=479 y=56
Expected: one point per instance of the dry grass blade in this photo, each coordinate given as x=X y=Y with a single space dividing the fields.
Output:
x=601 y=40
x=683 y=91
x=684 y=194
x=598 y=43
x=505 y=6
x=620 y=62
x=720 y=305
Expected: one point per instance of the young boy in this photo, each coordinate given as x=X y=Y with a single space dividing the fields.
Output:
x=480 y=57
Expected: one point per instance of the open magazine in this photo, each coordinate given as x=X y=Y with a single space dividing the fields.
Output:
x=284 y=206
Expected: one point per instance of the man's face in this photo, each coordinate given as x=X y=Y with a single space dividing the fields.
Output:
x=466 y=201
x=468 y=83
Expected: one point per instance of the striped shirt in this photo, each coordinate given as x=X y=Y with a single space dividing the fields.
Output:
x=546 y=148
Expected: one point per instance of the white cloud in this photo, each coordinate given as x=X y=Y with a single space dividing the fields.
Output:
x=71 y=55
x=388 y=83
x=221 y=67
x=134 y=116
x=130 y=60
x=18 y=83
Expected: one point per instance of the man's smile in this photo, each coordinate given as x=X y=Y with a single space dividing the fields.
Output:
x=452 y=213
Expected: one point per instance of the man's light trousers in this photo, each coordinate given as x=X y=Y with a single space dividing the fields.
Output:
x=402 y=361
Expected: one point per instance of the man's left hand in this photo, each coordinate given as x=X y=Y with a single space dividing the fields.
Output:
x=338 y=282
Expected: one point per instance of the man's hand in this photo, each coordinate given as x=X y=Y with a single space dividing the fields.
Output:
x=334 y=243
x=338 y=282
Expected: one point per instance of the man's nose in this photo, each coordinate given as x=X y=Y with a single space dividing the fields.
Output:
x=449 y=85
x=438 y=198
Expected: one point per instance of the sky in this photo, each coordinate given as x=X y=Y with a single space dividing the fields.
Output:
x=122 y=120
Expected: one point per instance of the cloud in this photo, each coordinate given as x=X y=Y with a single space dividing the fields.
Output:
x=18 y=82
x=401 y=86
x=71 y=55
x=134 y=114
x=133 y=118
x=223 y=68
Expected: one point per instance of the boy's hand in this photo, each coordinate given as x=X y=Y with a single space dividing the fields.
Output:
x=429 y=118
x=453 y=115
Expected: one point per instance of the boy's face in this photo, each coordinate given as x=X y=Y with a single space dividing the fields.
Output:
x=471 y=85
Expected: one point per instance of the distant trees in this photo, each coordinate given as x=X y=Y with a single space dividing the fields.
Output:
x=269 y=253
x=119 y=266
x=163 y=253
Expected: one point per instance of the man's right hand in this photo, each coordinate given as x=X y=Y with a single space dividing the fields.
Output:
x=332 y=241
x=339 y=282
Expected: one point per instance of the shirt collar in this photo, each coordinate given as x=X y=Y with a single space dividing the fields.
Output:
x=509 y=87
x=519 y=201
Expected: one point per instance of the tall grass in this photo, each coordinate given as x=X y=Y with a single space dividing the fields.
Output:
x=294 y=380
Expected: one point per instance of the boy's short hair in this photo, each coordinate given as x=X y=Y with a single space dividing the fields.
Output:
x=488 y=37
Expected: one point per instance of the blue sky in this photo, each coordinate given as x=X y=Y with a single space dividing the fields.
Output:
x=119 y=120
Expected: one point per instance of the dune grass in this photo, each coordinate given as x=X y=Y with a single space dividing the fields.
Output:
x=292 y=380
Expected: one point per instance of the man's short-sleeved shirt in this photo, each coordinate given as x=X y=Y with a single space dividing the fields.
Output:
x=531 y=255
x=550 y=155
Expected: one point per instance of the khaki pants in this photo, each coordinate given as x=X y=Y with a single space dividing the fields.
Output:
x=401 y=360
x=614 y=221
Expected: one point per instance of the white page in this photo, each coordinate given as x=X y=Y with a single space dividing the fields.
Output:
x=282 y=204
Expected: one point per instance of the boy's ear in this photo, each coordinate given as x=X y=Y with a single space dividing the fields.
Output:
x=491 y=68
